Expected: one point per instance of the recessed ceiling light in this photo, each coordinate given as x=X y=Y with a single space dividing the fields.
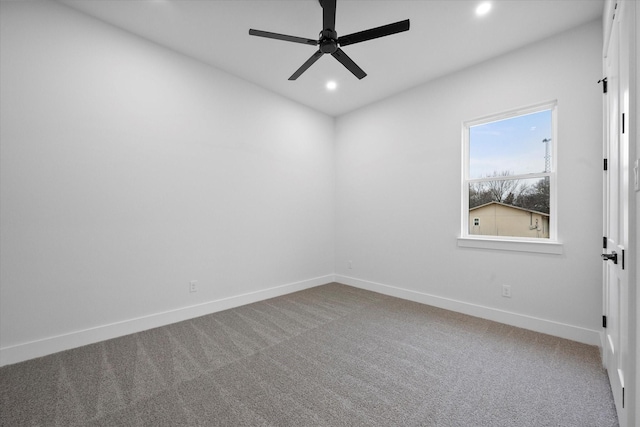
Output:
x=331 y=85
x=483 y=8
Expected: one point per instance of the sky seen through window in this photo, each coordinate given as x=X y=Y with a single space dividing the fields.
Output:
x=514 y=144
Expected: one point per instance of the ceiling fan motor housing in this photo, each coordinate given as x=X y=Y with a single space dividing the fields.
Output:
x=328 y=41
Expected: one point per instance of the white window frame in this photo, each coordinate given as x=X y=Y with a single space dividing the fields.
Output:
x=549 y=245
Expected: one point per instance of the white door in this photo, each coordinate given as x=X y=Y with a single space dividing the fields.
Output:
x=616 y=221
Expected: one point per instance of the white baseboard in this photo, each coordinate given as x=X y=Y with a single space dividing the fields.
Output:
x=562 y=330
x=50 y=345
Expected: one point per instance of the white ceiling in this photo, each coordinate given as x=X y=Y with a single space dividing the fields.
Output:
x=445 y=36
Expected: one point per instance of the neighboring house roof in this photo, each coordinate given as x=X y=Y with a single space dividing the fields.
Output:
x=509 y=206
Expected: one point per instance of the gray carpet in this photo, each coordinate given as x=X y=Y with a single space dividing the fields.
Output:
x=328 y=356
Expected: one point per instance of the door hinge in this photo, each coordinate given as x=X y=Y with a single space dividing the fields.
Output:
x=623 y=259
x=604 y=242
x=606 y=164
x=622 y=397
x=604 y=321
x=622 y=123
x=604 y=84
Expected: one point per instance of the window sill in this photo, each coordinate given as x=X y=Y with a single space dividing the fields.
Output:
x=541 y=247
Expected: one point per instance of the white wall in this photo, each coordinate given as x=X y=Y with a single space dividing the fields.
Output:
x=635 y=107
x=398 y=174
x=128 y=170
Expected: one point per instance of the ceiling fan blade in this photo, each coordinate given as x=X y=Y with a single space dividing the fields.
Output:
x=374 y=33
x=284 y=37
x=306 y=65
x=347 y=62
x=328 y=14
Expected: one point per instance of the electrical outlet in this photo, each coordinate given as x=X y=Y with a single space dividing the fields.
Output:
x=350 y=265
x=506 y=291
x=193 y=286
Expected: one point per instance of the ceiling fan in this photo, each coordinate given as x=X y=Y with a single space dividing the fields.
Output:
x=329 y=41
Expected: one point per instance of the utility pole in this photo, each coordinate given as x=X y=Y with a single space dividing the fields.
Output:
x=547 y=155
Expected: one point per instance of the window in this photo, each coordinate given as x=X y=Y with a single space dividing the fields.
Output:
x=509 y=176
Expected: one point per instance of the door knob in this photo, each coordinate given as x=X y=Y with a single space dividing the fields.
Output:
x=613 y=256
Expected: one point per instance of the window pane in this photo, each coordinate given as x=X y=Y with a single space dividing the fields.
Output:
x=514 y=146
x=510 y=207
